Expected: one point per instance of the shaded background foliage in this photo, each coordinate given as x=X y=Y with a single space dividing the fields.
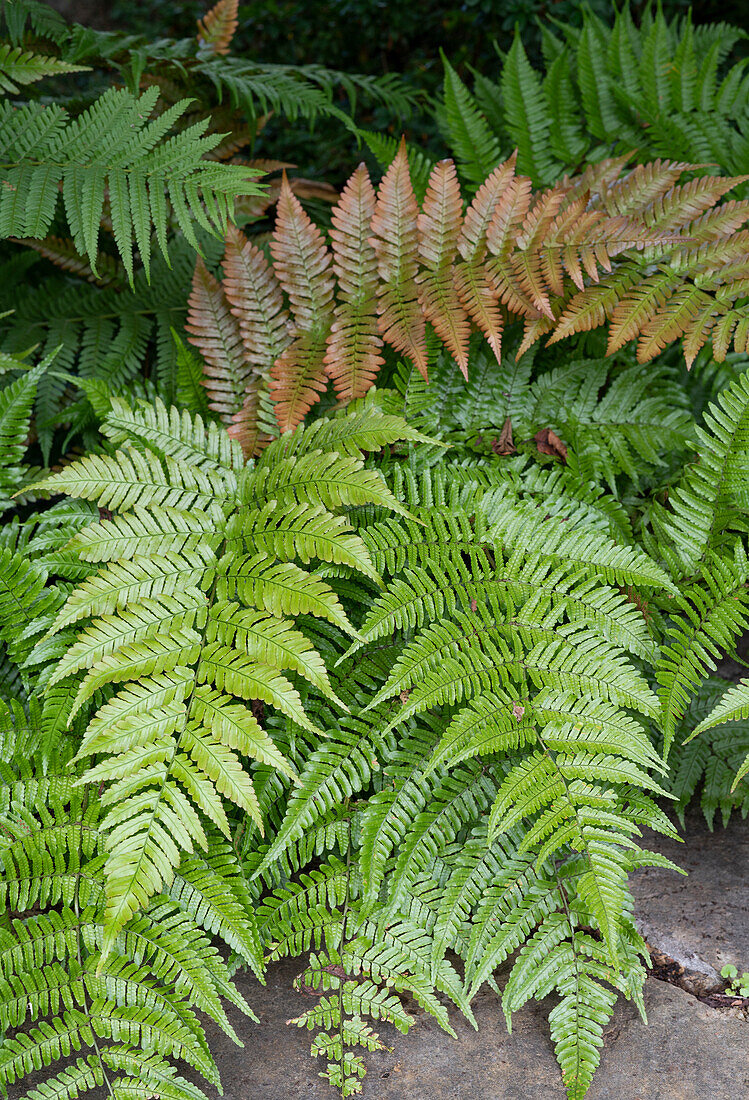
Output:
x=373 y=37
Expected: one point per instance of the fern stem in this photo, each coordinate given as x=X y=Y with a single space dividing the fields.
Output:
x=342 y=941
x=79 y=954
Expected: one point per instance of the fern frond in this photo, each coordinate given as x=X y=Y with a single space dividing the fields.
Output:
x=194 y=634
x=439 y=226
x=395 y=241
x=301 y=261
x=527 y=117
x=707 y=502
x=476 y=148
x=19 y=67
x=113 y=148
x=215 y=332
x=218 y=26
x=715 y=613
x=353 y=354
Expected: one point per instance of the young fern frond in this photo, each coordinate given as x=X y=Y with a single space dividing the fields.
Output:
x=183 y=641
x=218 y=26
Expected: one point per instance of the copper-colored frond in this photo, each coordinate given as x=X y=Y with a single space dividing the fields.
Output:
x=218 y=26
x=501 y=237
x=439 y=223
x=722 y=333
x=396 y=243
x=256 y=301
x=472 y=237
x=301 y=262
x=213 y=329
x=298 y=378
x=508 y=217
x=472 y=282
x=353 y=356
x=481 y=302
x=636 y=308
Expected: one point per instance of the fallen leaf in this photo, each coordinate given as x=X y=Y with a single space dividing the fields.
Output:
x=504 y=445
x=549 y=443
x=518 y=710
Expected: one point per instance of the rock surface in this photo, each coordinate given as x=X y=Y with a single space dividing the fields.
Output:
x=706 y=912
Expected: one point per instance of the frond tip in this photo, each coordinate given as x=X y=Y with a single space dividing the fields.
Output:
x=218 y=26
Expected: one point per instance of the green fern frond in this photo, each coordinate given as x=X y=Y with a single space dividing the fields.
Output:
x=706 y=505
x=113 y=147
x=192 y=636
x=476 y=148
x=714 y=613
x=19 y=67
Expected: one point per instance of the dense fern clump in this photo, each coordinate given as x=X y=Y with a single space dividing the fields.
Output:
x=662 y=88
x=475 y=761
x=366 y=625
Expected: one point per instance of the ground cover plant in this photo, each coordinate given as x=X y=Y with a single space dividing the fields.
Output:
x=364 y=605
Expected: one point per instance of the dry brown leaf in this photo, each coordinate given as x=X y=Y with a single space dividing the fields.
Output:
x=504 y=445
x=549 y=443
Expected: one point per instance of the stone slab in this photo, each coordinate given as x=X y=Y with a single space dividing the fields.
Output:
x=706 y=912
x=688 y=1052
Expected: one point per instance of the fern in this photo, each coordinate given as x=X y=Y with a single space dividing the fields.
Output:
x=133 y=1013
x=510 y=766
x=710 y=757
x=186 y=637
x=112 y=147
x=19 y=67
x=662 y=89
x=706 y=506
x=605 y=247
